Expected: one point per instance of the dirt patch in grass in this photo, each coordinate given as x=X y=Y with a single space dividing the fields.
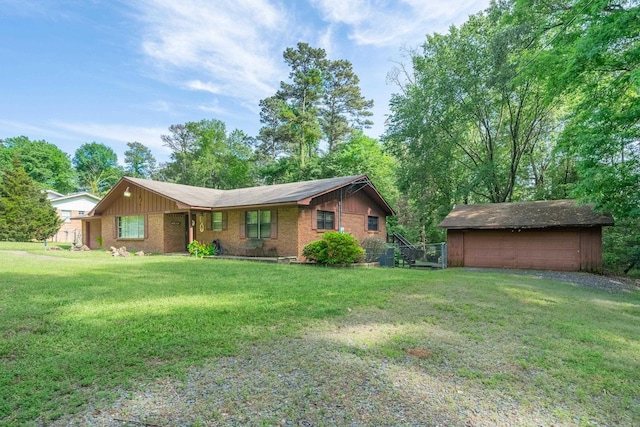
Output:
x=372 y=367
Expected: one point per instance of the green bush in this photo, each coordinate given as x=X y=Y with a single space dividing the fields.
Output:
x=313 y=251
x=335 y=249
x=201 y=249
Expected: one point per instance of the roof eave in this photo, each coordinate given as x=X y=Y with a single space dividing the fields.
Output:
x=521 y=227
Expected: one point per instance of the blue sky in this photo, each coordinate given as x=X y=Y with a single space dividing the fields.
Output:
x=76 y=71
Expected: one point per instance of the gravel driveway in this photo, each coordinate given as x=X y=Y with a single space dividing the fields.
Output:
x=586 y=280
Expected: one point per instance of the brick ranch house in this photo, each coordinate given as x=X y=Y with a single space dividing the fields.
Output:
x=274 y=220
x=544 y=235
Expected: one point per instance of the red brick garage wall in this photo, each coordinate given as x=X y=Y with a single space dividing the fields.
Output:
x=563 y=249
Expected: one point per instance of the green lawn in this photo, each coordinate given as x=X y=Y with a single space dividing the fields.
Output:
x=74 y=326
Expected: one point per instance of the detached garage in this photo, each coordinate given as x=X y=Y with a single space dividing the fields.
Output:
x=545 y=235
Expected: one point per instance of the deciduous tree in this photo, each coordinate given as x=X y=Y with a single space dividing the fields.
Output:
x=44 y=162
x=97 y=167
x=591 y=61
x=464 y=125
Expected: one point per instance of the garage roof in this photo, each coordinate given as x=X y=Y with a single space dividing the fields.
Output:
x=541 y=214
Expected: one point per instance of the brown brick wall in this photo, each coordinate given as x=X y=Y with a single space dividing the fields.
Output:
x=69 y=231
x=283 y=244
x=307 y=234
x=355 y=210
x=91 y=230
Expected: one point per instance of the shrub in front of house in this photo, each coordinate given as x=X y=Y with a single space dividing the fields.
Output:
x=201 y=249
x=334 y=249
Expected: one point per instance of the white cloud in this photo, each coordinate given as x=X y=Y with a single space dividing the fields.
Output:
x=383 y=23
x=161 y=106
x=34 y=132
x=69 y=136
x=117 y=133
x=225 y=47
x=206 y=87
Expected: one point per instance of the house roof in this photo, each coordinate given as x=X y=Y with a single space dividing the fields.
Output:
x=73 y=196
x=198 y=197
x=53 y=194
x=541 y=214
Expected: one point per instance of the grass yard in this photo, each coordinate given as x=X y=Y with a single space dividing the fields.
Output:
x=79 y=328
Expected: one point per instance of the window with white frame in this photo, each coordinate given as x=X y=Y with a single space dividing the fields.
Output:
x=65 y=215
x=131 y=227
x=258 y=224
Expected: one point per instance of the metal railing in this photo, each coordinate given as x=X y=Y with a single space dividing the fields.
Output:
x=430 y=255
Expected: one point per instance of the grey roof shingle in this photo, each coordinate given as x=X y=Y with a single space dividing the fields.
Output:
x=262 y=195
x=280 y=193
x=185 y=194
x=541 y=214
x=199 y=197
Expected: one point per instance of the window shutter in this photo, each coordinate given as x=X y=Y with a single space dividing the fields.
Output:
x=208 y=220
x=145 y=218
x=224 y=220
x=314 y=219
x=243 y=229
x=274 y=224
x=115 y=227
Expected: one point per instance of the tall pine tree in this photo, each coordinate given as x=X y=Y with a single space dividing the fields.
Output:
x=25 y=212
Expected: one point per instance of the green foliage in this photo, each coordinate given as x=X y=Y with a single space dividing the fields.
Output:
x=314 y=250
x=25 y=212
x=99 y=241
x=322 y=100
x=591 y=67
x=139 y=161
x=468 y=126
x=203 y=155
x=621 y=246
x=44 y=162
x=97 y=167
x=334 y=249
x=361 y=154
x=201 y=249
x=344 y=109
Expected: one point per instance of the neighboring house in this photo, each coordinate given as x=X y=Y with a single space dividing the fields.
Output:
x=269 y=220
x=69 y=207
x=546 y=235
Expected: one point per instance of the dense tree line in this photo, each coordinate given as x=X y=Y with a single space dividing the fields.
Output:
x=527 y=100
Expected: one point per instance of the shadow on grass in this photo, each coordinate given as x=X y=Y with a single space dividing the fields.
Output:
x=96 y=325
